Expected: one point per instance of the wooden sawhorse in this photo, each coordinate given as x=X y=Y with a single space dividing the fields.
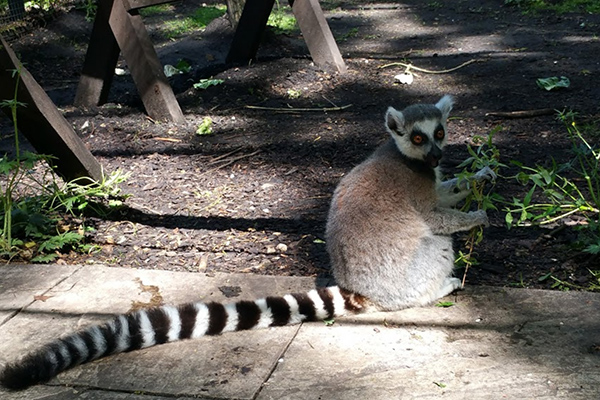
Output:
x=118 y=27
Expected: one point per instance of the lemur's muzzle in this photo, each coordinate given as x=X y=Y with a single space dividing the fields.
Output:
x=434 y=156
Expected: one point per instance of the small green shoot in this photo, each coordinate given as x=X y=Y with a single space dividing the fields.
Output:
x=444 y=304
x=206 y=83
x=294 y=94
x=440 y=384
x=329 y=322
x=205 y=128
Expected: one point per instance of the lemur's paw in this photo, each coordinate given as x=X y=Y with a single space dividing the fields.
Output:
x=486 y=174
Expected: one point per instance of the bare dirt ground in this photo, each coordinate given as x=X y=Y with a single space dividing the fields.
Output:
x=253 y=196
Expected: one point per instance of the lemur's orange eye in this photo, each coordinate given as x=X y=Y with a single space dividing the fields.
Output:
x=417 y=139
x=439 y=134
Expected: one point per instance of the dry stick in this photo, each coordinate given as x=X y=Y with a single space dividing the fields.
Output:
x=222 y=156
x=427 y=71
x=522 y=114
x=231 y=161
x=289 y=110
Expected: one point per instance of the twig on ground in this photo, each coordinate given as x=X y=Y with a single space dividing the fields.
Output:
x=292 y=109
x=229 y=162
x=427 y=71
x=522 y=114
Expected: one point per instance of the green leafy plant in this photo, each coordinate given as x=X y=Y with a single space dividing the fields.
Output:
x=206 y=83
x=485 y=154
x=294 y=94
x=39 y=214
x=205 y=128
x=565 y=190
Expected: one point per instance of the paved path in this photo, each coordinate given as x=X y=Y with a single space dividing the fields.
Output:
x=493 y=343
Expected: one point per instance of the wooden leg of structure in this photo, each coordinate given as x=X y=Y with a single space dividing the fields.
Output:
x=317 y=35
x=117 y=29
x=250 y=30
x=41 y=122
x=100 y=61
x=146 y=69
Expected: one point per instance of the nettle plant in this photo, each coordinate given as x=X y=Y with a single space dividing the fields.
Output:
x=40 y=213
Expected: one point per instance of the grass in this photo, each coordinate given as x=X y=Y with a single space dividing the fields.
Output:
x=281 y=20
x=199 y=20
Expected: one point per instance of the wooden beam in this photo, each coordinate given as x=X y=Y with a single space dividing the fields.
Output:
x=142 y=60
x=100 y=60
x=116 y=30
x=317 y=35
x=41 y=122
x=250 y=30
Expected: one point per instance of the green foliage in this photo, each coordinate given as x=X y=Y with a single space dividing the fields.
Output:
x=564 y=285
x=201 y=17
x=485 y=154
x=281 y=20
x=553 y=82
x=39 y=215
x=155 y=10
x=205 y=128
x=206 y=83
x=294 y=93
x=565 y=190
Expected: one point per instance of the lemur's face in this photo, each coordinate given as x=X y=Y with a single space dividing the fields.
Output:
x=420 y=130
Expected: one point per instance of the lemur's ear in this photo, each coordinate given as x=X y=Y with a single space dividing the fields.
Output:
x=395 y=122
x=445 y=105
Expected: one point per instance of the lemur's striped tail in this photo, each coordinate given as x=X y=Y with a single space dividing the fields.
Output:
x=145 y=328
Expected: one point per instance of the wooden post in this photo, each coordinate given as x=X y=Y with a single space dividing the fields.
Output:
x=315 y=30
x=100 y=60
x=317 y=35
x=115 y=28
x=250 y=30
x=143 y=62
x=41 y=122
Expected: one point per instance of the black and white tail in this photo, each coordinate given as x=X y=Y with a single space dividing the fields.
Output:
x=149 y=327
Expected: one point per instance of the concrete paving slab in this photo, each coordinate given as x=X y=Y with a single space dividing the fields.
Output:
x=492 y=344
x=17 y=289
x=234 y=365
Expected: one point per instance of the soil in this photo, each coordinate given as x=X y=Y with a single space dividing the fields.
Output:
x=253 y=195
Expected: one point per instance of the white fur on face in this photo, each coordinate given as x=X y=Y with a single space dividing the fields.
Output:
x=428 y=128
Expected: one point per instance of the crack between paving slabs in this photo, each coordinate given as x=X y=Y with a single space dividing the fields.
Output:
x=18 y=311
x=276 y=364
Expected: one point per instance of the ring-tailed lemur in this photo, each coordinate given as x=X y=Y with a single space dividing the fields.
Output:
x=388 y=235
